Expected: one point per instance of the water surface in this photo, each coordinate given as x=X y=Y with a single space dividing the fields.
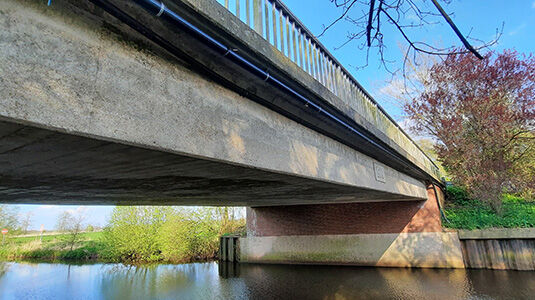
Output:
x=249 y=281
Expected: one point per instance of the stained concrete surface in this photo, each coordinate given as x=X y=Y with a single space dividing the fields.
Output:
x=44 y=166
x=422 y=250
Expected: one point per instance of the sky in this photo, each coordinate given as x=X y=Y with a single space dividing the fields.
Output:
x=480 y=17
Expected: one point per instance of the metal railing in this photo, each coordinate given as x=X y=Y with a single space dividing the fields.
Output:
x=276 y=24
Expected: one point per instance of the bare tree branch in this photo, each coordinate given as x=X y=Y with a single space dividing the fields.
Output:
x=457 y=31
x=370 y=20
x=339 y=18
x=403 y=15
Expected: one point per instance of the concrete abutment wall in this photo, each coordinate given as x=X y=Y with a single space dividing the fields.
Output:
x=388 y=234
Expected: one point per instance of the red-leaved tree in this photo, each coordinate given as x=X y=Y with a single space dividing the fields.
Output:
x=482 y=114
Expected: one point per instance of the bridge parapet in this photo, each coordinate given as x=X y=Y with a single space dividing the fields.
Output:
x=272 y=31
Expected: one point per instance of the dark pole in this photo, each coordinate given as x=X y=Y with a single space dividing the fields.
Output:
x=457 y=31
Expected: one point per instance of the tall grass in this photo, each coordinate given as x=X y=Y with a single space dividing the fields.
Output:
x=53 y=247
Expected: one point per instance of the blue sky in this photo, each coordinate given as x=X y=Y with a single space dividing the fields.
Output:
x=481 y=17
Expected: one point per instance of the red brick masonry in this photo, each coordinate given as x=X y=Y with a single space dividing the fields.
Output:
x=351 y=218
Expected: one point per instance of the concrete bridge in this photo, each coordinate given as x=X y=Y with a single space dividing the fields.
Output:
x=194 y=102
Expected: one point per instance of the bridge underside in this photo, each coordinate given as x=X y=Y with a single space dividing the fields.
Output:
x=44 y=166
x=94 y=113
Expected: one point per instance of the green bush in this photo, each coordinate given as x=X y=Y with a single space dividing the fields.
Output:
x=457 y=195
x=465 y=213
x=82 y=253
x=192 y=237
x=132 y=234
x=147 y=234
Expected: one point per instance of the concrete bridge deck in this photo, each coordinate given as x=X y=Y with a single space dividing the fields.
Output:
x=94 y=112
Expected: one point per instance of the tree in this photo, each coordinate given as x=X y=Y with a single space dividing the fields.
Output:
x=9 y=217
x=132 y=232
x=62 y=221
x=72 y=223
x=26 y=222
x=482 y=115
x=369 y=17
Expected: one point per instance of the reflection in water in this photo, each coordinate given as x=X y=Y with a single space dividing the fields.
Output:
x=248 y=281
x=229 y=269
x=4 y=267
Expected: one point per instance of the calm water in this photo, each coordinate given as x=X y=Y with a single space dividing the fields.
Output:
x=228 y=281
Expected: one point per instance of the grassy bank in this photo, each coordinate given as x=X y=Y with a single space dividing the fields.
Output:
x=465 y=213
x=53 y=247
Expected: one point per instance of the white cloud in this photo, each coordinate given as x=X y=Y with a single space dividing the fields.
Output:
x=517 y=29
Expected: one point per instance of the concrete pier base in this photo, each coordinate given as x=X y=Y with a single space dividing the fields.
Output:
x=422 y=250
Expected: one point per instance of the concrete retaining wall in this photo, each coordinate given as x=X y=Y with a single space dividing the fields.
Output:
x=501 y=249
x=423 y=250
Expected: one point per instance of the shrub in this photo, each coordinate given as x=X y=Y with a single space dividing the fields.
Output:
x=132 y=234
x=457 y=195
x=465 y=213
x=143 y=234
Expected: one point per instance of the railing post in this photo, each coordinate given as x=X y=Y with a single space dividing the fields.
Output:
x=248 y=12
x=274 y=21
x=310 y=60
x=316 y=63
x=257 y=17
x=288 y=45
x=300 y=42
x=266 y=13
x=281 y=25
x=294 y=42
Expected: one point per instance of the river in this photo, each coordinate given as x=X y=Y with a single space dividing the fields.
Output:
x=212 y=280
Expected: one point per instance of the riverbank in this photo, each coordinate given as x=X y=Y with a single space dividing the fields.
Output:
x=88 y=246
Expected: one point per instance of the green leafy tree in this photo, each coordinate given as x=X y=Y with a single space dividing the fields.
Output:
x=132 y=234
x=168 y=233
